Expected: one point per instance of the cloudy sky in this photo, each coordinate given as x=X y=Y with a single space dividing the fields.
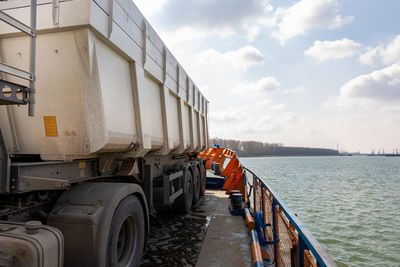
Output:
x=304 y=73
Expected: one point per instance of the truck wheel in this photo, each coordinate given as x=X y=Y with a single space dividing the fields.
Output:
x=197 y=184
x=185 y=201
x=126 y=237
x=203 y=176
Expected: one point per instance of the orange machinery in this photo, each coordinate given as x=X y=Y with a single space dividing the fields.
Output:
x=233 y=172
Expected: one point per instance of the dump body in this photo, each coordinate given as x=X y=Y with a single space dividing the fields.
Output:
x=118 y=125
x=105 y=83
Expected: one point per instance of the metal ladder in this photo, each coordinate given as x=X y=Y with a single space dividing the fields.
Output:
x=15 y=94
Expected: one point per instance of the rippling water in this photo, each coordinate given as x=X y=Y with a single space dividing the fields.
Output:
x=351 y=205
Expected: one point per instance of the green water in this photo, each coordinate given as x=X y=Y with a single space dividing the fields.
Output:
x=351 y=205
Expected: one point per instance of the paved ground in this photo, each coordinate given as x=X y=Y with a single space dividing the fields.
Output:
x=175 y=239
x=208 y=236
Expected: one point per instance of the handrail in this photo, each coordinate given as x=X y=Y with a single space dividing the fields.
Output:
x=322 y=258
x=280 y=231
x=30 y=76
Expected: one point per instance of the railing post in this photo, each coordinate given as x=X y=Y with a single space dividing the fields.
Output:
x=302 y=247
x=246 y=200
x=275 y=231
x=255 y=184
x=264 y=213
x=306 y=260
x=262 y=200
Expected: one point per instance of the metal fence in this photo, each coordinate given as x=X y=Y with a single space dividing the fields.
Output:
x=285 y=240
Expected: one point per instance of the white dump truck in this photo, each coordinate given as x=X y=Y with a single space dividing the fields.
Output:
x=99 y=127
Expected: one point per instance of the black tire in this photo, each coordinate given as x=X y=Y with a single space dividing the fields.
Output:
x=185 y=201
x=127 y=233
x=196 y=183
x=203 y=176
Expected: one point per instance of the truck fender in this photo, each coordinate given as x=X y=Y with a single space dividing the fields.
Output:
x=84 y=215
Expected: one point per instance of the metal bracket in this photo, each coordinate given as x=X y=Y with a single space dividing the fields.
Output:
x=178 y=79
x=25 y=183
x=129 y=168
x=15 y=23
x=56 y=12
x=165 y=190
x=145 y=33
x=110 y=17
x=11 y=93
x=15 y=72
x=106 y=163
x=168 y=198
x=165 y=64
x=52 y=175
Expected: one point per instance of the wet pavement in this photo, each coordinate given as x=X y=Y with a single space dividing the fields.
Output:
x=208 y=236
x=175 y=239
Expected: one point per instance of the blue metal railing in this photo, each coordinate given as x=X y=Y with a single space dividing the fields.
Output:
x=292 y=245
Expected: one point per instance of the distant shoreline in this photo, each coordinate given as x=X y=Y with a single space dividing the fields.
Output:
x=259 y=149
x=285 y=156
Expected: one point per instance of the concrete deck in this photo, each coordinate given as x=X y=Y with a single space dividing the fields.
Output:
x=227 y=242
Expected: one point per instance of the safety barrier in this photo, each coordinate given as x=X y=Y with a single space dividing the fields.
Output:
x=249 y=219
x=256 y=249
x=280 y=231
x=282 y=238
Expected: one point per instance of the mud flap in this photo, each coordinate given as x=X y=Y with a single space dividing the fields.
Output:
x=84 y=216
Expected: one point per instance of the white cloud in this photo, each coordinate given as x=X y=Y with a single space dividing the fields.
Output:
x=278 y=107
x=369 y=57
x=379 y=86
x=394 y=109
x=261 y=127
x=296 y=90
x=263 y=85
x=231 y=115
x=149 y=8
x=267 y=84
x=325 y=50
x=387 y=54
x=306 y=15
x=188 y=20
x=272 y=123
x=216 y=73
x=221 y=18
x=242 y=58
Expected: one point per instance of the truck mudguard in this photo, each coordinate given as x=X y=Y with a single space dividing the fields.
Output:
x=84 y=215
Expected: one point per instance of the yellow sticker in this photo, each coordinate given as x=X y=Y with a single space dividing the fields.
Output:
x=82 y=164
x=50 y=125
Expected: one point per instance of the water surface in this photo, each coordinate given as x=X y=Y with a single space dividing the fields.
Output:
x=351 y=205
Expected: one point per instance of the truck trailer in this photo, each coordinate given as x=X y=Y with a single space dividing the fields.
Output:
x=100 y=127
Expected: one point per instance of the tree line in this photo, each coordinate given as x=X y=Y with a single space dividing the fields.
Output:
x=258 y=149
